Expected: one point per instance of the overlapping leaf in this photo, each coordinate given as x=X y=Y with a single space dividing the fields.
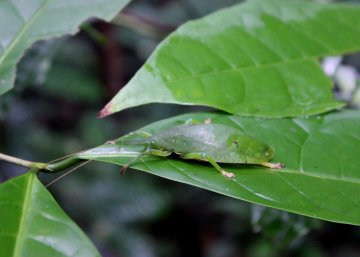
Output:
x=23 y=22
x=322 y=174
x=257 y=58
x=33 y=224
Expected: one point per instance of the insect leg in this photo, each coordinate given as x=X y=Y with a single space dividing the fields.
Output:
x=143 y=134
x=148 y=151
x=192 y=122
x=127 y=165
x=129 y=136
x=162 y=153
x=270 y=165
x=205 y=157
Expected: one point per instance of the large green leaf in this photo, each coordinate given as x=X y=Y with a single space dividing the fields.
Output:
x=322 y=174
x=257 y=58
x=33 y=224
x=25 y=21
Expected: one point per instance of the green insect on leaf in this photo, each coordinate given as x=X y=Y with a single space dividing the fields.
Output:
x=213 y=143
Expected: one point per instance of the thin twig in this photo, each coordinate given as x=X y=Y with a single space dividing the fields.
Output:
x=17 y=161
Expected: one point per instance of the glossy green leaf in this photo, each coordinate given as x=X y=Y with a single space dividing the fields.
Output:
x=33 y=224
x=25 y=21
x=322 y=174
x=257 y=58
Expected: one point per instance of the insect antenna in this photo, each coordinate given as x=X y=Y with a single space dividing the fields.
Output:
x=66 y=156
x=61 y=158
x=67 y=173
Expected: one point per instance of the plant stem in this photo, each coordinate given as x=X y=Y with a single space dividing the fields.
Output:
x=43 y=167
x=17 y=161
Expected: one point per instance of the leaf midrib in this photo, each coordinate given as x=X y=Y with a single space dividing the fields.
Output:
x=243 y=68
x=311 y=58
x=21 y=32
x=316 y=175
x=285 y=170
x=24 y=212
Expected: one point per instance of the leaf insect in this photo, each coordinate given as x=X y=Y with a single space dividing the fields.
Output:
x=213 y=143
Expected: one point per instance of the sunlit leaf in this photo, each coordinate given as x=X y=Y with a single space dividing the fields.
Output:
x=257 y=58
x=33 y=224
x=322 y=174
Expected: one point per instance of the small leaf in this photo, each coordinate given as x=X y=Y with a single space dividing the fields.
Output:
x=24 y=22
x=33 y=224
x=321 y=178
x=257 y=58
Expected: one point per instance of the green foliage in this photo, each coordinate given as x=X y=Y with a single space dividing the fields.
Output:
x=23 y=24
x=257 y=58
x=253 y=59
x=316 y=182
x=33 y=224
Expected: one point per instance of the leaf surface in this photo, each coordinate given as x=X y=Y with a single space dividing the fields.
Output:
x=26 y=21
x=33 y=224
x=257 y=58
x=322 y=174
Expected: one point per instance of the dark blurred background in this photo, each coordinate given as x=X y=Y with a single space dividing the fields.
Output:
x=62 y=84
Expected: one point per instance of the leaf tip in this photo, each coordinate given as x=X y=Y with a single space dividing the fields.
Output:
x=106 y=111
